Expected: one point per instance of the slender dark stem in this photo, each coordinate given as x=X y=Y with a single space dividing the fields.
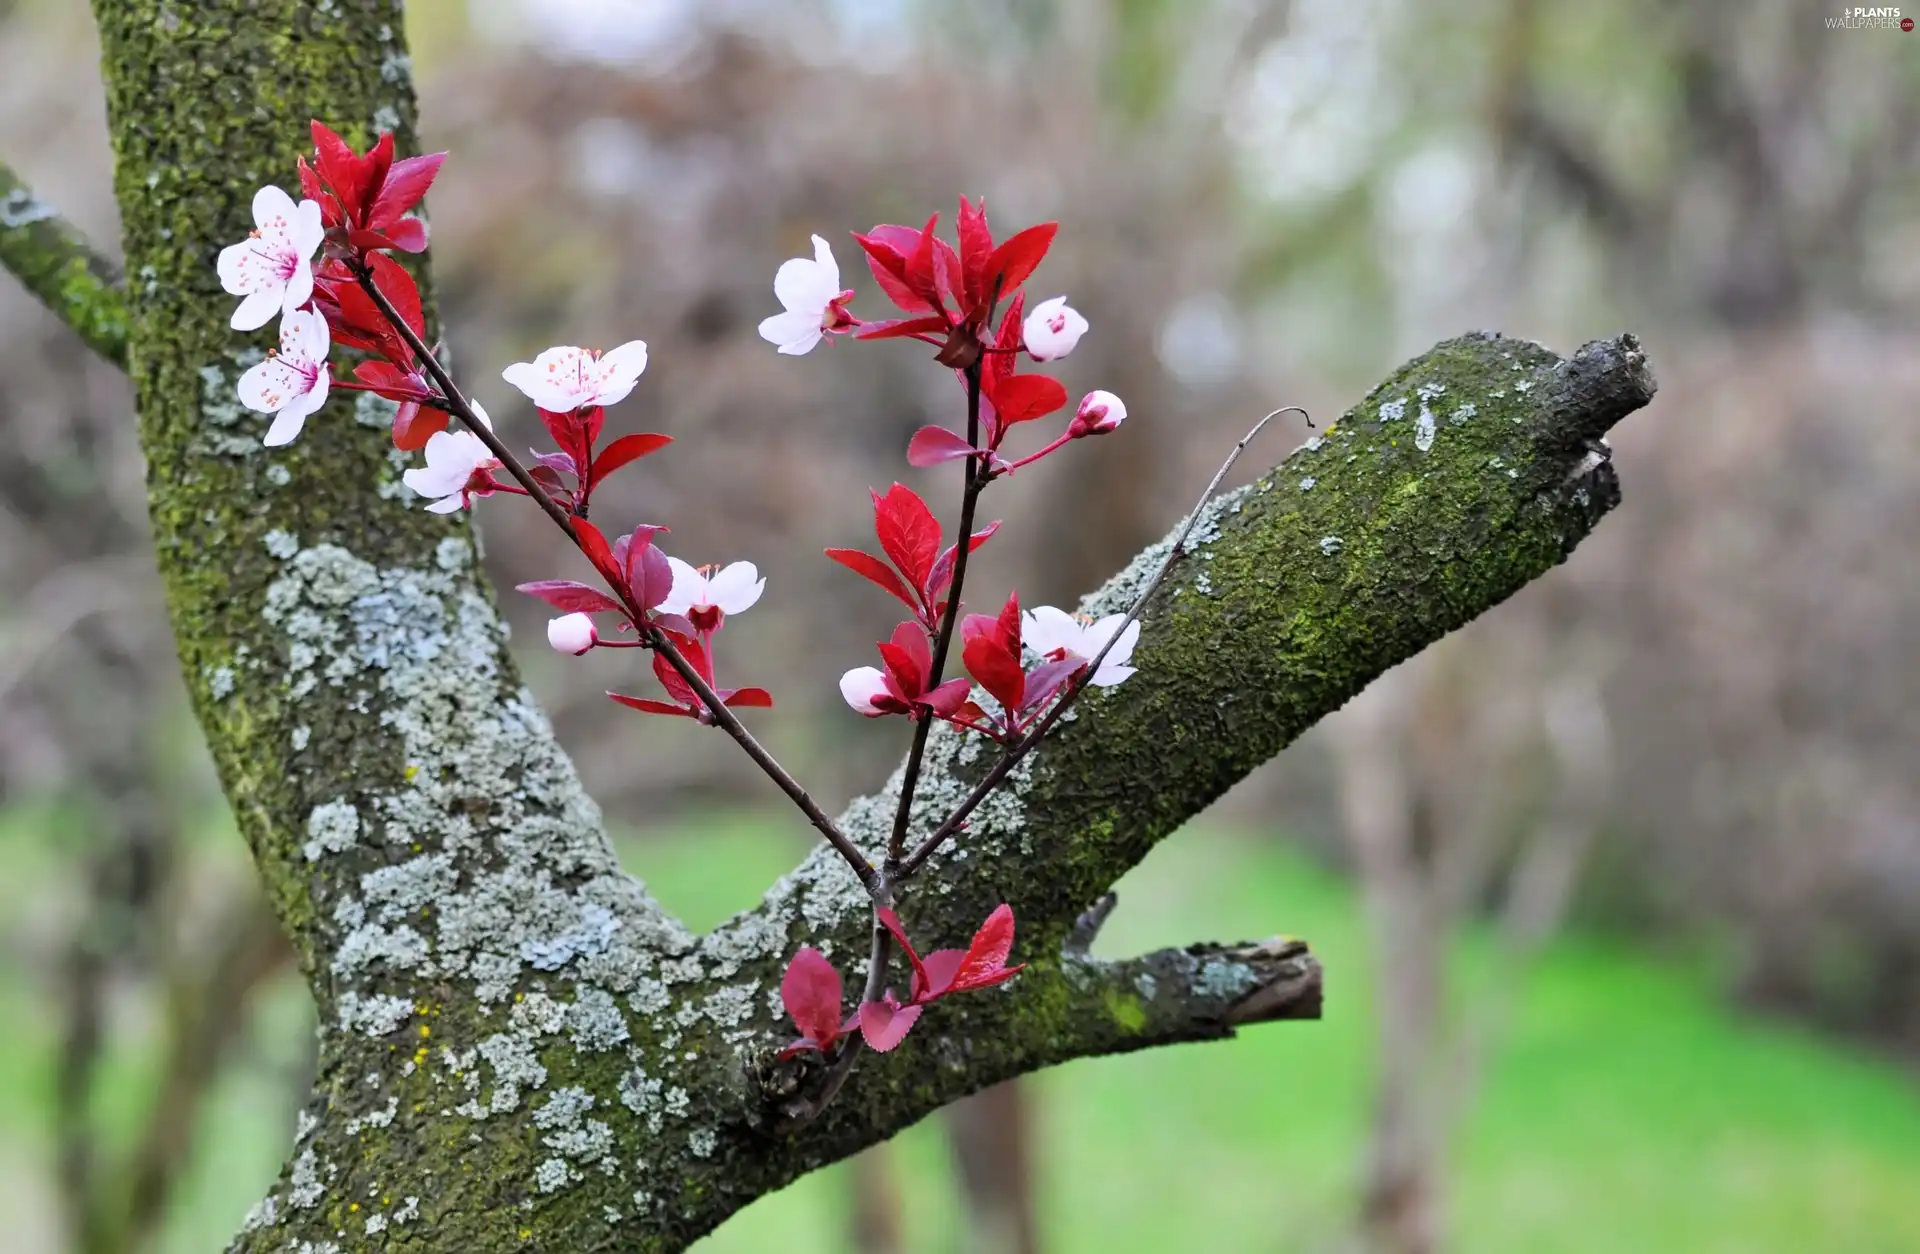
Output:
x=457 y=404
x=1021 y=748
x=868 y=874
x=976 y=479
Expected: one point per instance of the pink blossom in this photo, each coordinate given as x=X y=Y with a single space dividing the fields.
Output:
x=705 y=595
x=459 y=467
x=564 y=379
x=572 y=633
x=814 y=303
x=865 y=688
x=273 y=267
x=1052 y=329
x=1054 y=633
x=292 y=383
x=1099 y=413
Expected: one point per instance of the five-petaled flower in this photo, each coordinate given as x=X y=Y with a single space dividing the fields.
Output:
x=572 y=633
x=292 y=383
x=1054 y=633
x=705 y=595
x=272 y=267
x=459 y=467
x=814 y=302
x=1099 y=413
x=564 y=379
x=1052 y=329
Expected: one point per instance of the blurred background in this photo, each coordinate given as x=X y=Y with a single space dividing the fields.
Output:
x=1618 y=890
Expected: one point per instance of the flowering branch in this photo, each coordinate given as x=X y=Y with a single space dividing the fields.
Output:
x=976 y=480
x=656 y=639
x=1021 y=748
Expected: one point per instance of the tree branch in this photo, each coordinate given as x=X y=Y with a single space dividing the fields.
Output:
x=54 y=261
x=521 y=1049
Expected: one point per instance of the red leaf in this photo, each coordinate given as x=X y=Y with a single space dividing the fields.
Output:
x=409 y=235
x=889 y=265
x=571 y=598
x=919 y=274
x=940 y=966
x=649 y=577
x=931 y=446
x=594 y=545
x=986 y=958
x=415 y=424
x=648 y=705
x=909 y=534
x=628 y=448
x=943 y=568
x=885 y=1024
x=750 y=699
x=403 y=188
x=891 y=921
x=336 y=161
x=976 y=242
x=946 y=272
x=871 y=567
x=987 y=660
x=372 y=174
x=1014 y=260
x=1024 y=397
x=1046 y=678
x=398 y=286
x=893 y=328
x=811 y=992
x=948 y=697
x=1012 y=331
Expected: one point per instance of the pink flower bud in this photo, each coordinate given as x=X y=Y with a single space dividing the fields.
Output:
x=572 y=633
x=1100 y=412
x=1052 y=329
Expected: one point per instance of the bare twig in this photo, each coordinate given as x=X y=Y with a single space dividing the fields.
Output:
x=1020 y=749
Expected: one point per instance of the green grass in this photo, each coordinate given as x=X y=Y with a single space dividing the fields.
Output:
x=1629 y=1110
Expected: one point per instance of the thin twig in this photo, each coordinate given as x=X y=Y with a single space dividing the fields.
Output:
x=976 y=480
x=1021 y=748
x=725 y=718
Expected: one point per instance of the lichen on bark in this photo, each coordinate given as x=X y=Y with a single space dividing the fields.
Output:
x=521 y=1050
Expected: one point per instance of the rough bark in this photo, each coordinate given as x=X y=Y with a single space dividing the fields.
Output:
x=521 y=1049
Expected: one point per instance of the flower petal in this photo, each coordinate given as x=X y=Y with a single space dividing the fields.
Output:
x=689 y=588
x=619 y=370
x=735 y=588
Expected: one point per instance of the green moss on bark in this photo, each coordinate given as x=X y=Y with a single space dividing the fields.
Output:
x=521 y=1051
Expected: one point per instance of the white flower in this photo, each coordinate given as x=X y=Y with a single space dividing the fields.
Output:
x=809 y=291
x=273 y=267
x=572 y=633
x=561 y=380
x=862 y=686
x=1052 y=329
x=453 y=459
x=1099 y=413
x=1049 y=631
x=707 y=594
x=292 y=383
